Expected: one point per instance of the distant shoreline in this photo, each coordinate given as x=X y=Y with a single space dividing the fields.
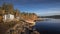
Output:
x=53 y=16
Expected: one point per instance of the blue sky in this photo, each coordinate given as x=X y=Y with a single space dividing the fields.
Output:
x=40 y=7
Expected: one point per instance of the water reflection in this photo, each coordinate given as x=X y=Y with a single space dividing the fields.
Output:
x=49 y=26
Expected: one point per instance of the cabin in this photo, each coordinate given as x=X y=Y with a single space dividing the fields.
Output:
x=8 y=17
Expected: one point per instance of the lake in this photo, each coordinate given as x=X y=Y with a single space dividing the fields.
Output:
x=48 y=26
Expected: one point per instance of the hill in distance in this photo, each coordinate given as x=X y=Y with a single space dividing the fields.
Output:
x=52 y=16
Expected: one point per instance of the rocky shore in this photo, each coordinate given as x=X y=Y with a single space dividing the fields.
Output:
x=20 y=27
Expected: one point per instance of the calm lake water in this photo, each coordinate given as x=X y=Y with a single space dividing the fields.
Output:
x=48 y=26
